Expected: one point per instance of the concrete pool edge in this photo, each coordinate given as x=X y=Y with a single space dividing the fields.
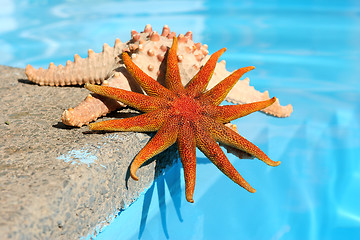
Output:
x=58 y=182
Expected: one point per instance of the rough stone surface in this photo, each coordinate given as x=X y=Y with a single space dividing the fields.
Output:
x=47 y=188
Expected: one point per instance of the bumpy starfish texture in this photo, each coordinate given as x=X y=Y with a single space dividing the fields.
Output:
x=147 y=50
x=189 y=116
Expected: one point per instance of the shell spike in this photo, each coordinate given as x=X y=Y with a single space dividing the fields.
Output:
x=77 y=58
x=182 y=38
x=154 y=36
x=106 y=47
x=171 y=35
x=133 y=32
x=148 y=28
x=91 y=53
x=117 y=42
x=165 y=31
x=52 y=65
x=189 y=35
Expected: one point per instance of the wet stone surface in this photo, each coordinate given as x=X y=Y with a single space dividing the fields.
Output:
x=58 y=182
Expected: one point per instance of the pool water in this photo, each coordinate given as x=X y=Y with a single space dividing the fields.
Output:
x=306 y=53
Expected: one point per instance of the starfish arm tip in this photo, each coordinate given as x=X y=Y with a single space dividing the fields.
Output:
x=189 y=198
x=277 y=163
x=272 y=100
x=133 y=176
x=98 y=126
x=92 y=126
x=133 y=170
x=88 y=86
x=249 y=188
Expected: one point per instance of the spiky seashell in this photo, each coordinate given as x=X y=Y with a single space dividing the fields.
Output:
x=147 y=49
x=94 y=69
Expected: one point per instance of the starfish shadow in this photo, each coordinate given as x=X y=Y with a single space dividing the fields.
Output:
x=171 y=179
x=162 y=70
x=125 y=112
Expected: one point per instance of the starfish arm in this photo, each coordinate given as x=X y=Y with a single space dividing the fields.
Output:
x=150 y=86
x=172 y=79
x=137 y=100
x=147 y=122
x=228 y=113
x=212 y=150
x=200 y=81
x=218 y=93
x=187 y=151
x=225 y=135
x=163 y=139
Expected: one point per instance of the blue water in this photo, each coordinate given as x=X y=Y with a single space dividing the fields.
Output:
x=306 y=53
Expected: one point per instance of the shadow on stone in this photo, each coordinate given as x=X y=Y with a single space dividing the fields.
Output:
x=61 y=125
x=26 y=81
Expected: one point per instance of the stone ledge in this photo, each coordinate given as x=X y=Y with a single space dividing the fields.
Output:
x=58 y=182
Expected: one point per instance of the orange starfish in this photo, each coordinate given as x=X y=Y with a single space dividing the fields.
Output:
x=189 y=116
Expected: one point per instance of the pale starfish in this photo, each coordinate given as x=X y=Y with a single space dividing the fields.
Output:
x=147 y=50
x=189 y=116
